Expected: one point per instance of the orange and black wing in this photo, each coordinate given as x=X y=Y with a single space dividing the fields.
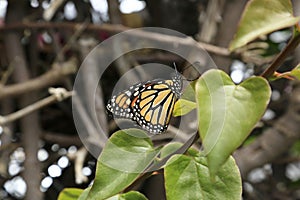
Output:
x=153 y=107
x=149 y=104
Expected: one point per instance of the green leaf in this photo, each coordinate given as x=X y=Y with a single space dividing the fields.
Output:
x=227 y=113
x=189 y=92
x=188 y=178
x=169 y=148
x=70 y=194
x=296 y=72
x=125 y=156
x=132 y=195
x=276 y=76
x=261 y=17
x=183 y=107
x=187 y=101
x=84 y=194
x=172 y=147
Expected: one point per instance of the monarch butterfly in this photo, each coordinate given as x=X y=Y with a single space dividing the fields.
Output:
x=150 y=104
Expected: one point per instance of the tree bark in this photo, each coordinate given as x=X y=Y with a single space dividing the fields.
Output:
x=29 y=124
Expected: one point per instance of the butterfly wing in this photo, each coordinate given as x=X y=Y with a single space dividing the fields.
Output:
x=152 y=108
x=120 y=105
x=149 y=104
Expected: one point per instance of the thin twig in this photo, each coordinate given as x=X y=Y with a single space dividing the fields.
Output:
x=277 y=62
x=94 y=137
x=33 y=107
x=52 y=9
x=64 y=140
x=79 y=158
x=78 y=31
x=113 y=29
x=51 y=77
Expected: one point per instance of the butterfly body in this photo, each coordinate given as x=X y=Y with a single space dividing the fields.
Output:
x=150 y=104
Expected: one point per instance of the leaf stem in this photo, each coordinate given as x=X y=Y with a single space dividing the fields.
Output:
x=277 y=62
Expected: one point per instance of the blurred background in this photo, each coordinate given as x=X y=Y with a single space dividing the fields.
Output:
x=43 y=43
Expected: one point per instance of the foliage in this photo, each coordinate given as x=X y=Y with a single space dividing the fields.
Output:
x=296 y=72
x=188 y=177
x=183 y=107
x=228 y=113
x=262 y=17
x=70 y=194
x=125 y=156
x=79 y=194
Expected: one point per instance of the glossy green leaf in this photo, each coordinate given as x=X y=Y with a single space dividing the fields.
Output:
x=227 y=112
x=261 y=17
x=183 y=107
x=132 y=195
x=188 y=177
x=126 y=154
x=70 y=194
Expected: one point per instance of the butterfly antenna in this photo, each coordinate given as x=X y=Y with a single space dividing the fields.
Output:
x=176 y=71
x=175 y=66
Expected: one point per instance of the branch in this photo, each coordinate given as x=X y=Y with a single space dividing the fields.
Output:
x=52 y=9
x=277 y=62
x=209 y=23
x=51 y=77
x=79 y=158
x=89 y=74
x=62 y=139
x=58 y=94
x=113 y=29
x=93 y=136
x=29 y=125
